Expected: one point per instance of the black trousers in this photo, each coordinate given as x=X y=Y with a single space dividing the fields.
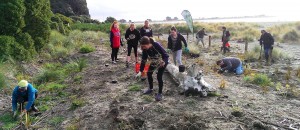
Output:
x=129 y=48
x=114 y=54
x=159 y=77
x=22 y=99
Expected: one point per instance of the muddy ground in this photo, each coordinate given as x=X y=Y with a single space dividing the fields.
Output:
x=108 y=106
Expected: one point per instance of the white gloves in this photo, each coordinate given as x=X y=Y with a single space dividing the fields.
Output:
x=139 y=75
x=15 y=114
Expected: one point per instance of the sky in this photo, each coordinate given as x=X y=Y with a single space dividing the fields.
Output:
x=139 y=10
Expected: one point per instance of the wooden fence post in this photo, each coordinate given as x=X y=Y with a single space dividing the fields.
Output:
x=209 y=40
x=246 y=46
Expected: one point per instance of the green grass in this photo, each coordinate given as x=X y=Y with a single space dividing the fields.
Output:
x=44 y=107
x=54 y=87
x=78 y=78
x=8 y=121
x=134 y=87
x=76 y=103
x=71 y=67
x=261 y=80
x=55 y=121
x=87 y=48
x=50 y=76
x=247 y=78
x=213 y=94
x=147 y=98
x=82 y=63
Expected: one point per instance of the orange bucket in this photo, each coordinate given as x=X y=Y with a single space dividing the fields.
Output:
x=137 y=69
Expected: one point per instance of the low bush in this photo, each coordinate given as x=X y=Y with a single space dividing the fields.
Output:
x=82 y=63
x=49 y=76
x=76 y=103
x=87 y=48
x=291 y=36
x=134 y=87
x=261 y=80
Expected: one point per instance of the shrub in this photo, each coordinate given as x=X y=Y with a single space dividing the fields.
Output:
x=87 y=48
x=291 y=36
x=60 y=52
x=134 y=87
x=261 y=80
x=76 y=103
x=278 y=54
x=82 y=63
x=50 y=76
x=194 y=48
x=6 y=43
x=247 y=78
x=71 y=67
x=278 y=86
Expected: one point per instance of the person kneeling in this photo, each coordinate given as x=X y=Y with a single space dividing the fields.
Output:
x=22 y=93
x=231 y=64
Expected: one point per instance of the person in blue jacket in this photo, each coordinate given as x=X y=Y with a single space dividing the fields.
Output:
x=159 y=60
x=22 y=93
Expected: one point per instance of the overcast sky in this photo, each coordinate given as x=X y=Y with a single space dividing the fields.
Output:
x=138 y=10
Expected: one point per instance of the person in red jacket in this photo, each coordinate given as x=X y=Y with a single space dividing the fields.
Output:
x=115 y=41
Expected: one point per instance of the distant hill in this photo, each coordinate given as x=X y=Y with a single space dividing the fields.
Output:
x=70 y=7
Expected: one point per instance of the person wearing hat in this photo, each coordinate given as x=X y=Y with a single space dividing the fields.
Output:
x=22 y=93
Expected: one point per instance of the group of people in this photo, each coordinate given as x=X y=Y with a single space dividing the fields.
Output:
x=151 y=50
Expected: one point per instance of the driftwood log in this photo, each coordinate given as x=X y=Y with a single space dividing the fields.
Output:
x=191 y=81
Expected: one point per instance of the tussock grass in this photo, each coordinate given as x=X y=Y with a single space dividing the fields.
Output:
x=86 y=48
x=194 y=48
x=50 y=76
x=134 y=87
x=76 y=103
x=54 y=87
x=261 y=80
x=286 y=32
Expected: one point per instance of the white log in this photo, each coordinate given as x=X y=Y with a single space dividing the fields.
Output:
x=192 y=80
